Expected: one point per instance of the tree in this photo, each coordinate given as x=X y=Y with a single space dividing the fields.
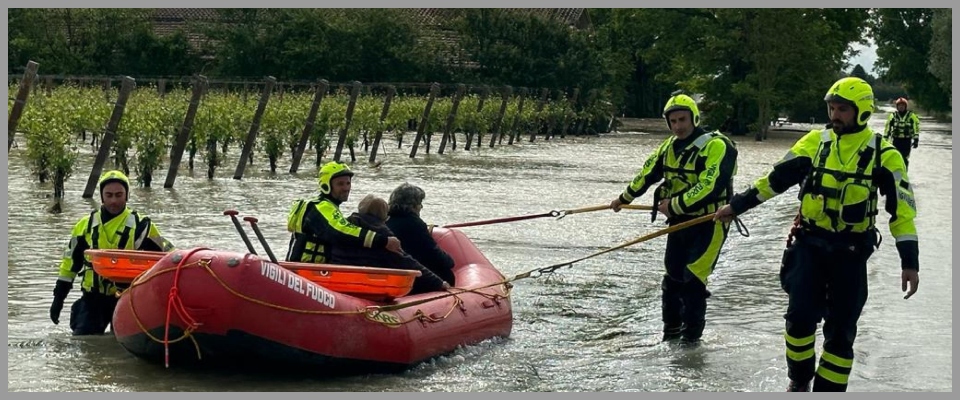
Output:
x=859 y=72
x=904 y=38
x=941 y=45
x=94 y=41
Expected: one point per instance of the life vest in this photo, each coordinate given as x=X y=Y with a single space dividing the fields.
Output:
x=118 y=233
x=304 y=247
x=681 y=172
x=901 y=127
x=837 y=196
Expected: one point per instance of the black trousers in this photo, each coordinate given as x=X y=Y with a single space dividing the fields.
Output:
x=825 y=278
x=92 y=313
x=904 y=145
x=684 y=300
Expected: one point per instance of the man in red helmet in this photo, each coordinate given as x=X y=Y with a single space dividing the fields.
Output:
x=902 y=128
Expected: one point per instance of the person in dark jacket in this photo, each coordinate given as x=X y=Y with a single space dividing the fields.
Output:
x=406 y=201
x=372 y=214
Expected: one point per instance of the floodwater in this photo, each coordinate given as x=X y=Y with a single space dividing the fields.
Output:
x=592 y=327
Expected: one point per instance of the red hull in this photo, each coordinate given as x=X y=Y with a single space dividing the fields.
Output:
x=247 y=310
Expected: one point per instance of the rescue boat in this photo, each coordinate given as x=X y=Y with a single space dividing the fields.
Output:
x=201 y=307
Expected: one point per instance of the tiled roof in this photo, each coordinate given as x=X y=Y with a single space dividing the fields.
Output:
x=437 y=16
x=182 y=14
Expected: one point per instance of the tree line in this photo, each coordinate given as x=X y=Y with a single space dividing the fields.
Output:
x=750 y=65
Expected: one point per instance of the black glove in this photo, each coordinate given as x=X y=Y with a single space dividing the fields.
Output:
x=59 y=295
x=916 y=142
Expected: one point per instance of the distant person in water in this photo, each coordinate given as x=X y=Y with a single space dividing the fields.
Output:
x=903 y=129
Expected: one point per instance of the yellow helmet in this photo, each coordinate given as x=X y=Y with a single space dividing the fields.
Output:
x=682 y=102
x=113 y=176
x=855 y=92
x=329 y=171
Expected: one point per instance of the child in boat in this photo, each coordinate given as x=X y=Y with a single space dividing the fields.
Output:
x=372 y=214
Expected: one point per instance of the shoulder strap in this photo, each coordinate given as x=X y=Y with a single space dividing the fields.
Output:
x=93 y=229
x=825 y=140
x=867 y=155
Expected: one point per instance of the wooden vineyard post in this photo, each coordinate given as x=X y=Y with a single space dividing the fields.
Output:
x=434 y=91
x=126 y=86
x=484 y=92
x=351 y=105
x=448 y=129
x=544 y=94
x=498 y=124
x=391 y=91
x=21 y=102
x=254 y=127
x=515 y=129
x=320 y=91
x=176 y=153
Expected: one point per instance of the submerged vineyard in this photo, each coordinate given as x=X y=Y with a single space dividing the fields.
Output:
x=61 y=121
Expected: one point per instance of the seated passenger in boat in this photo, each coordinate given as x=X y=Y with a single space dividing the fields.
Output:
x=406 y=201
x=371 y=214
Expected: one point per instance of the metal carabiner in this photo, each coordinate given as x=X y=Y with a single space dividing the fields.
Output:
x=558 y=214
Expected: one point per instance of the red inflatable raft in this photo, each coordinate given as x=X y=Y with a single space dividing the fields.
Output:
x=204 y=306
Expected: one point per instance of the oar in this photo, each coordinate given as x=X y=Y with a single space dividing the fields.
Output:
x=243 y=234
x=263 y=241
x=555 y=213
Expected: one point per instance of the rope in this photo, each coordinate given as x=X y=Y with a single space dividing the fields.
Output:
x=558 y=214
x=175 y=303
x=794 y=229
x=370 y=312
x=535 y=273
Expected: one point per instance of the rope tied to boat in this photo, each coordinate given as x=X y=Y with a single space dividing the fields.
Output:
x=140 y=279
x=175 y=303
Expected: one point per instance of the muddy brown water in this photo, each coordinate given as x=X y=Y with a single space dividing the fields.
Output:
x=593 y=327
